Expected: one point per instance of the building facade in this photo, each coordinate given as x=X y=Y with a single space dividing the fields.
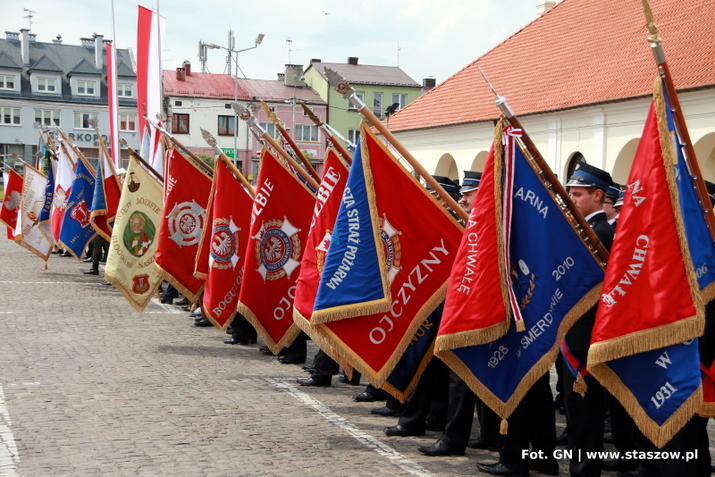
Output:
x=59 y=85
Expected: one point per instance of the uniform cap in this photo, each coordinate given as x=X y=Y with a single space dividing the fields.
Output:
x=590 y=176
x=471 y=181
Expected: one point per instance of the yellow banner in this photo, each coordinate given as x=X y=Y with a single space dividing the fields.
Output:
x=130 y=264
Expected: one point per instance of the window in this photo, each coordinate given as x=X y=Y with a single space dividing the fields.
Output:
x=7 y=82
x=359 y=95
x=226 y=125
x=180 y=123
x=85 y=88
x=306 y=133
x=10 y=116
x=125 y=90
x=377 y=105
x=177 y=103
x=270 y=128
x=127 y=122
x=46 y=85
x=400 y=99
x=47 y=117
x=353 y=135
x=81 y=120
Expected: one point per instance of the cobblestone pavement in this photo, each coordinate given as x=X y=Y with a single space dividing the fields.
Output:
x=90 y=387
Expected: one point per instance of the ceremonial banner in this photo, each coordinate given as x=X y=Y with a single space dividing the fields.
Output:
x=650 y=305
x=280 y=221
x=66 y=161
x=186 y=196
x=355 y=279
x=44 y=219
x=76 y=231
x=106 y=195
x=130 y=264
x=11 y=201
x=549 y=274
x=227 y=235
x=417 y=240
x=27 y=233
x=327 y=202
x=150 y=38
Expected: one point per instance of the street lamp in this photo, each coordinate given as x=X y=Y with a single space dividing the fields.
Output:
x=231 y=50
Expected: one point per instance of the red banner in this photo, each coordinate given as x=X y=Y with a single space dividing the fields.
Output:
x=280 y=220
x=186 y=194
x=226 y=237
x=11 y=202
x=324 y=213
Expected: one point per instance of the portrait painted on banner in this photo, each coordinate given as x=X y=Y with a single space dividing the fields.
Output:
x=139 y=234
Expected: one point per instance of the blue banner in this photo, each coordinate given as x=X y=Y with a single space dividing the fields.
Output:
x=76 y=229
x=352 y=273
x=49 y=192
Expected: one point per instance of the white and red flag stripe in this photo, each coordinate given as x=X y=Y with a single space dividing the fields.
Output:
x=113 y=105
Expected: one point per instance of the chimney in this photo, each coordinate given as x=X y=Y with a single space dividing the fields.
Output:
x=58 y=40
x=12 y=36
x=25 y=46
x=315 y=60
x=352 y=60
x=282 y=77
x=294 y=76
x=544 y=6
x=428 y=84
x=181 y=74
x=98 y=50
x=87 y=42
x=187 y=67
x=33 y=37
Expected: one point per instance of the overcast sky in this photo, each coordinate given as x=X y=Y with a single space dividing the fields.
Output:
x=436 y=39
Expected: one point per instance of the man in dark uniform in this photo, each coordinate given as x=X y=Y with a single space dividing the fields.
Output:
x=585 y=414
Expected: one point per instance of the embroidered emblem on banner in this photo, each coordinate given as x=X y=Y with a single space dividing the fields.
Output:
x=141 y=284
x=13 y=201
x=277 y=249
x=133 y=185
x=392 y=247
x=523 y=282
x=186 y=222
x=60 y=199
x=81 y=214
x=322 y=250
x=139 y=234
x=224 y=244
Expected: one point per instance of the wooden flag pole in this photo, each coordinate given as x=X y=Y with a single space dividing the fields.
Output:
x=141 y=160
x=274 y=119
x=679 y=119
x=344 y=88
x=208 y=137
x=332 y=141
x=245 y=114
x=94 y=122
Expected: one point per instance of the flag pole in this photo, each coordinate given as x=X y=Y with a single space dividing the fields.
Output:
x=143 y=162
x=208 y=137
x=94 y=122
x=274 y=119
x=679 y=119
x=245 y=114
x=176 y=142
x=550 y=180
x=332 y=141
x=343 y=87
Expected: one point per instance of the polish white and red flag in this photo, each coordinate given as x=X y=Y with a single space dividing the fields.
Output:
x=113 y=105
x=150 y=38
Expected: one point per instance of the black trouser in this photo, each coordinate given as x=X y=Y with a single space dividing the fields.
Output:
x=532 y=422
x=100 y=248
x=460 y=413
x=428 y=398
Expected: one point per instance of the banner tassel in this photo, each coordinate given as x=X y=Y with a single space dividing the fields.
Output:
x=520 y=326
x=579 y=386
x=504 y=427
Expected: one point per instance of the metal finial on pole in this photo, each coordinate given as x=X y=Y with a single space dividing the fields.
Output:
x=211 y=141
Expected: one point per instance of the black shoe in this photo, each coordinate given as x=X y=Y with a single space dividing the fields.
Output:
x=203 y=322
x=478 y=443
x=309 y=369
x=91 y=271
x=501 y=469
x=311 y=381
x=440 y=448
x=620 y=465
x=106 y=284
x=384 y=411
x=546 y=467
x=400 y=431
x=266 y=350
x=289 y=360
x=87 y=259
x=65 y=254
x=367 y=397
x=355 y=381
x=234 y=341
x=184 y=301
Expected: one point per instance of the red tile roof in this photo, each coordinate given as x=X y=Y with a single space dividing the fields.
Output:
x=580 y=52
x=203 y=85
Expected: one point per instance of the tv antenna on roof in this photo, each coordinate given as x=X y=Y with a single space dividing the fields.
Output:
x=29 y=15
